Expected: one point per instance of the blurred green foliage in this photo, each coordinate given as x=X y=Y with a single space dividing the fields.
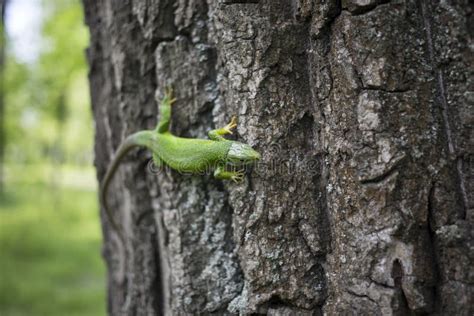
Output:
x=50 y=246
x=50 y=238
x=47 y=102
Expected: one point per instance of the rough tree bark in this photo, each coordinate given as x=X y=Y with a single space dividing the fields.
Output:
x=363 y=203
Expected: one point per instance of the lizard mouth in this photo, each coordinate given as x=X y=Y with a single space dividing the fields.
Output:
x=240 y=162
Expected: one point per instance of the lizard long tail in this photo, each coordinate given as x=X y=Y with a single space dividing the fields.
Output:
x=139 y=139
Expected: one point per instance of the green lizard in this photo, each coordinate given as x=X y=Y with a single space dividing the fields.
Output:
x=188 y=155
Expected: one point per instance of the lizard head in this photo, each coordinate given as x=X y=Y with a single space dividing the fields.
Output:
x=241 y=154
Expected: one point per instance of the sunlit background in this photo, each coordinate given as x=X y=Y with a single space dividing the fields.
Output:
x=50 y=240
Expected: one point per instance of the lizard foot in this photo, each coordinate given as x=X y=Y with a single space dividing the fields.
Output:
x=169 y=95
x=238 y=176
x=232 y=124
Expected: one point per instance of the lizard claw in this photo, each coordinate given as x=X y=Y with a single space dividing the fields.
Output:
x=232 y=124
x=169 y=95
x=169 y=91
x=238 y=176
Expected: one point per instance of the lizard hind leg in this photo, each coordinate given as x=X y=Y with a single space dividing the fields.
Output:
x=165 y=111
x=156 y=164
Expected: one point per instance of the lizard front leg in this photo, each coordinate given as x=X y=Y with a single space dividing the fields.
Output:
x=236 y=176
x=216 y=134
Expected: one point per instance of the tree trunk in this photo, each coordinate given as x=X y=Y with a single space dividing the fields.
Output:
x=362 y=110
x=3 y=40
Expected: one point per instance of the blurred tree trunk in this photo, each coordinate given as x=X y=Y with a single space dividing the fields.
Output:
x=363 y=113
x=58 y=149
x=3 y=6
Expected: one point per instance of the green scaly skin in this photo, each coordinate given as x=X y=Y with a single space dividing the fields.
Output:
x=189 y=155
